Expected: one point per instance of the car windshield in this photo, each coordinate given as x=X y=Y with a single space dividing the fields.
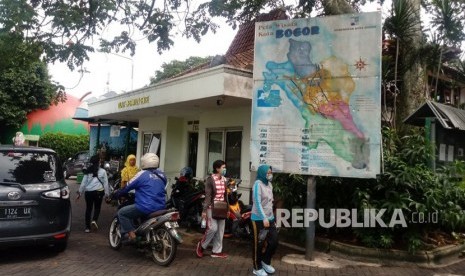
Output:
x=28 y=167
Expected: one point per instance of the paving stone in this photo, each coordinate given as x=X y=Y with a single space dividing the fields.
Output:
x=90 y=254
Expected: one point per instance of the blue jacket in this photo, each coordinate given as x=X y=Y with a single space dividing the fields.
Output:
x=150 y=190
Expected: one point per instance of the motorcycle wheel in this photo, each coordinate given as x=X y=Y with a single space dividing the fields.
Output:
x=114 y=235
x=163 y=246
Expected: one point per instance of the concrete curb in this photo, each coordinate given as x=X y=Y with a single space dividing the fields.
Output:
x=437 y=257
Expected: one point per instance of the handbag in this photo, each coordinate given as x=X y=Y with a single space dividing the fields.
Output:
x=220 y=210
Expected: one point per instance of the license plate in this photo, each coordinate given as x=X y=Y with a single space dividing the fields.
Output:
x=15 y=213
x=172 y=224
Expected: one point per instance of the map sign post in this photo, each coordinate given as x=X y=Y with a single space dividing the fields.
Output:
x=310 y=231
x=317 y=96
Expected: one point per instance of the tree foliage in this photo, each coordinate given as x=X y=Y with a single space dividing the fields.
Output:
x=448 y=19
x=66 y=29
x=65 y=145
x=24 y=81
x=176 y=67
x=413 y=50
x=408 y=184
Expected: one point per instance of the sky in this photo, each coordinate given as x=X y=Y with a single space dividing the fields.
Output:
x=121 y=72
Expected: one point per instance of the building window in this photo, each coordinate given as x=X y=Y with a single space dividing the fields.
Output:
x=225 y=144
x=152 y=143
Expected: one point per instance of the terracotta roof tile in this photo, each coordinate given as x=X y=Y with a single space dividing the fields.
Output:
x=240 y=52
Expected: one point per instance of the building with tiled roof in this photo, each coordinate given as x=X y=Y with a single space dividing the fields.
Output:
x=198 y=116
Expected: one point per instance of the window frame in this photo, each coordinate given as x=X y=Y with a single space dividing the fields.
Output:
x=146 y=147
x=223 y=131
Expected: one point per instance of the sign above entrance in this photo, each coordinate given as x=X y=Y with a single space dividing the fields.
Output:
x=316 y=106
x=134 y=102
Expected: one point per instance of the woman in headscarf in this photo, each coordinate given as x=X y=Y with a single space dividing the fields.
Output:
x=263 y=222
x=129 y=171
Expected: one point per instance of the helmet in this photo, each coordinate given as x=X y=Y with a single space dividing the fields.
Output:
x=186 y=172
x=149 y=160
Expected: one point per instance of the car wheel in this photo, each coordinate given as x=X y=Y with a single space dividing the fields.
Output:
x=60 y=246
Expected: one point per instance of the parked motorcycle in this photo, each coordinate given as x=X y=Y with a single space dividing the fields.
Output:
x=187 y=198
x=156 y=234
x=238 y=223
x=114 y=176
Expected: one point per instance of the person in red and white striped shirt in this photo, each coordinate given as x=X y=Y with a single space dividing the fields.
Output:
x=215 y=190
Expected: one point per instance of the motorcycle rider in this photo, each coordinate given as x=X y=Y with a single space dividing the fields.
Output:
x=149 y=185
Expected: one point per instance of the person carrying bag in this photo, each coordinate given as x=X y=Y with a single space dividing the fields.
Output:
x=94 y=186
x=220 y=205
x=215 y=211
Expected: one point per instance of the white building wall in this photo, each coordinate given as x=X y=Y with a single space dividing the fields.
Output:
x=226 y=118
x=174 y=141
x=208 y=83
x=176 y=146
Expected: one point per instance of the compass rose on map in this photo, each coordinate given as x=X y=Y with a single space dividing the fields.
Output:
x=360 y=64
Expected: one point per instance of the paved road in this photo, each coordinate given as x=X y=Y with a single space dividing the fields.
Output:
x=89 y=254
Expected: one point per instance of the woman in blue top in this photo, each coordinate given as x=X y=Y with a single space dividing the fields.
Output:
x=94 y=185
x=263 y=222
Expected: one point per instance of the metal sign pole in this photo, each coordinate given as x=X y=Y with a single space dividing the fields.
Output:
x=310 y=231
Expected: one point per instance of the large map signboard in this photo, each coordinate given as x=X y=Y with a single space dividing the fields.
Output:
x=316 y=98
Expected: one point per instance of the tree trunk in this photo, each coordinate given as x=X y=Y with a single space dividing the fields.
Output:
x=412 y=82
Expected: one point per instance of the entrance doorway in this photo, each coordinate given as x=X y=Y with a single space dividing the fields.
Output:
x=192 y=154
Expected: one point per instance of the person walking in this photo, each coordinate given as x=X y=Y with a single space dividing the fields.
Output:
x=129 y=171
x=215 y=191
x=94 y=185
x=265 y=236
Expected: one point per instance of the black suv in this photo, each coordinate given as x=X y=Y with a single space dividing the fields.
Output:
x=35 y=207
x=75 y=164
